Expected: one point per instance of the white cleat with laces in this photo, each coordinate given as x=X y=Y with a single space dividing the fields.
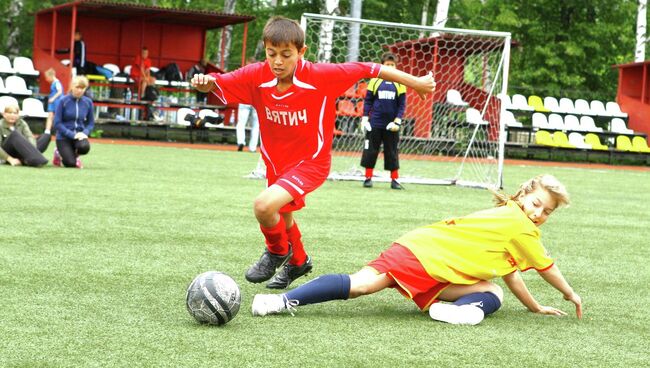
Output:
x=264 y=304
x=466 y=314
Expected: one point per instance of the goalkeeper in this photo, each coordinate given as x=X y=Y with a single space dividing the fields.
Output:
x=384 y=103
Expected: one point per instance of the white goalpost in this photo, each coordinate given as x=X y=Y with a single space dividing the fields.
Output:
x=455 y=136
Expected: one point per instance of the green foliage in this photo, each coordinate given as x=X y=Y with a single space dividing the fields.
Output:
x=563 y=48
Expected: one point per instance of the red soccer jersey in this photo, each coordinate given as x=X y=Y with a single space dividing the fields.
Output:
x=297 y=124
x=135 y=68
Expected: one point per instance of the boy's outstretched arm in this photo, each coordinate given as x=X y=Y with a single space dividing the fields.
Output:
x=422 y=85
x=554 y=277
x=518 y=288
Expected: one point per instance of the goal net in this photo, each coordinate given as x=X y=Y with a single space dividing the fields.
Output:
x=454 y=135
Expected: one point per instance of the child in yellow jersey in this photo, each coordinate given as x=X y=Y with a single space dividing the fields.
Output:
x=453 y=261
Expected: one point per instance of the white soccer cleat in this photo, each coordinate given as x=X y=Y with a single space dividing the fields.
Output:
x=264 y=304
x=456 y=314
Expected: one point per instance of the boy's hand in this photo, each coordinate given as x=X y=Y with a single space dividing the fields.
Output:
x=427 y=85
x=203 y=82
x=575 y=299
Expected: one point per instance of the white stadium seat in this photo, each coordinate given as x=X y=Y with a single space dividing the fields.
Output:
x=2 y=86
x=571 y=122
x=25 y=66
x=473 y=116
x=566 y=105
x=7 y=100
x=210 y=113
x=510 y=120
x=552 y=104
x=16 y=86
x=578 y=140
x=582 y=107
x=5 y=65
x=598 y=108
x=180 y=116
x=540 y=121
x=454 y=97
x=520 y=102
x=505 y=100
x=556 y=122
x=33 y=108
x=615 y=110
x=587 y=124
x=618 y=125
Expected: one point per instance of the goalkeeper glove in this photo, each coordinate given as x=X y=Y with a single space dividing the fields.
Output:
x=394 y=125
x=365 y=124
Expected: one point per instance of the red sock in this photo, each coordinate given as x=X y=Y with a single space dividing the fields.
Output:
x=394 y=175
x=295 y=238
x=276 y=237
x=369 y=171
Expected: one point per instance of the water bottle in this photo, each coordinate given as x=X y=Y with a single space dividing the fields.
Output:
x=127 y=111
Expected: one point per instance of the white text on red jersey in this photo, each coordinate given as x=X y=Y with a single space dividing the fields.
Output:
x=283 y=117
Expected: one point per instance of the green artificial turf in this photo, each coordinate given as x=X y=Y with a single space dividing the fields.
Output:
x=94 y=264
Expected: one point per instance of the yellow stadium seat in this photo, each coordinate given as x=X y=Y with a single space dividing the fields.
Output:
x=537 y=103
x=544 y=138
x=639 y=144
x=623 y=143
x=594 y=141
x=561 y=140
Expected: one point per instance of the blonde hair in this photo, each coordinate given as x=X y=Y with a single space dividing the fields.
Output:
x=50 y=72
x=547 y=182
x=12 y=108
x=80 y=80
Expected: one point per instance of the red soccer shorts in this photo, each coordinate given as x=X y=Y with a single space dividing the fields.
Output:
x=412 y=280
x=300 y=181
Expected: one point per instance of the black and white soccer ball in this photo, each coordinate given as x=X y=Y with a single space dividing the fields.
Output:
x=213 y=297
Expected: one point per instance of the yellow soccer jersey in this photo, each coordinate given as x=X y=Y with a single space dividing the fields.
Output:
x=481 y=246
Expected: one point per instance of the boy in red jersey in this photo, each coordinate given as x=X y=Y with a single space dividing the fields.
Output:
x=295 y=102
x=453 y=260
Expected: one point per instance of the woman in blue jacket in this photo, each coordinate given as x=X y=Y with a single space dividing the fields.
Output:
x=73 y=121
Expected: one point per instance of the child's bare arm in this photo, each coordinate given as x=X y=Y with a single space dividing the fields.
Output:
x=422 y=85
x=518 y=287
x=554 y=277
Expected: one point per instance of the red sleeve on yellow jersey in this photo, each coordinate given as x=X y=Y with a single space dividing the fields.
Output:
x=528 y=252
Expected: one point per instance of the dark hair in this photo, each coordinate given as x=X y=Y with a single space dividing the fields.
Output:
x=389 y=56
x=279 y=30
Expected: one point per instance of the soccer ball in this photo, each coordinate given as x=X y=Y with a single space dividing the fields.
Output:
x=213 y=298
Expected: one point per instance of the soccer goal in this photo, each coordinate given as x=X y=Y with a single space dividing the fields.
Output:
x=455 y=135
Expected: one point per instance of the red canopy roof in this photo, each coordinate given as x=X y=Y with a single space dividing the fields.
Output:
x=107 y=9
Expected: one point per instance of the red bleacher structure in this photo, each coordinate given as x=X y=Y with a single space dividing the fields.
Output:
x=446 y=56
x=116 y=32
x=633 y=94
